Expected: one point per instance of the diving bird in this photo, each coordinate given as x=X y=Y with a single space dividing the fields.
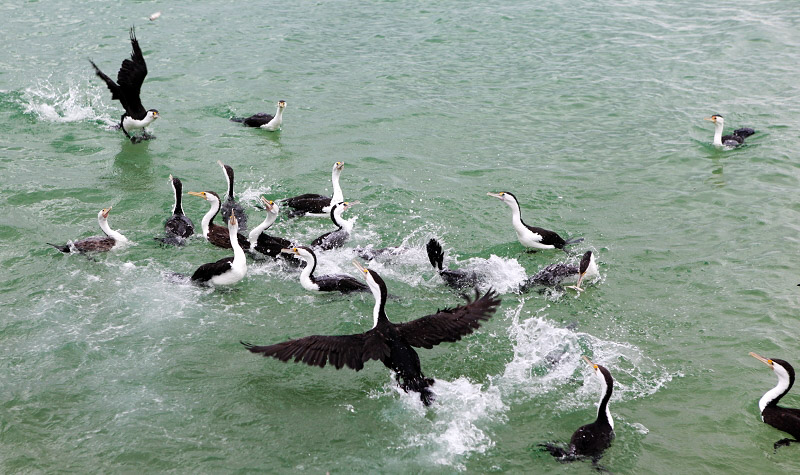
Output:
x=782 y=418
x=562 y=273
x=229 y=270
x=454 y=278
x=531 y=236
x=263 y=120
x=112 y=239
x=230 y=204
x=324 y=283
x=263 y=243
x=126 y=90
x=391 y=343
x=214 y=233
x=734 y=140
x=317 y=206
x=592 y=439
x=334 y=239
x=178 y=226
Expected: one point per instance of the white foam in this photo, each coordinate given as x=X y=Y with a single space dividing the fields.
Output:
x=65 y=103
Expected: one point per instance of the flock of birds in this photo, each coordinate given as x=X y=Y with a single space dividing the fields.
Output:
x=391 y=343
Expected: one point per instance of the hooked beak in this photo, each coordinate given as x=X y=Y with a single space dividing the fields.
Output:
x=287 y=250
x=710 y=119
x=760 y=358
x=586 y=358
x=270 y=205
x=349 y=204
x=198 y=193
x=360 y=267
x=106 y=211
x=496 y=195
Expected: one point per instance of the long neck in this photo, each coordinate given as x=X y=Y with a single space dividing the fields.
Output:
x=771 y=397
x=238 y=252
x=307 y=276
x=278 y=114
x=230 y=185
x=516 y=217
x=253 y=236
x=178 y=207
x=116 y=235
x=603 y=414
x=338 y=197
x=379 y=311
x=718 y=133
x=209 y=217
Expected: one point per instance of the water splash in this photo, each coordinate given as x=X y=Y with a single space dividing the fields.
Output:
x=66 y=103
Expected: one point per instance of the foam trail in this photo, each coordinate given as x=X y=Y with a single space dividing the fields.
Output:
x=70 y=103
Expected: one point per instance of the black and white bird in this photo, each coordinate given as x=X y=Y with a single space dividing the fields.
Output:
x=324 y=283
x=262 y=243
x=564 y=273
x=782 y=418
x=229 y=270
x=337 y=238
x=263 y=120
x=112 y=239
x=734 y=140
x=455 y=278
x=230 y=204
x=592 y=439
x=391 y=343
x=214 y=233
x=531 y=236
x=317 y=206
x=127 y=89
x=178 y=226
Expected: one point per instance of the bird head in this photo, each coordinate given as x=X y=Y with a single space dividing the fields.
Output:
x=281 y=104
x=153 y=114
x=103 y=214
x=504 y=196
x=716 y=119
x=270 y=206
x=206 y=195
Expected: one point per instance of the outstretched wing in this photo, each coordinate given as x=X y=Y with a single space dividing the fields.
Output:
x=317 y=350
x=116 y=91
x=450 y=324
x=130 y=78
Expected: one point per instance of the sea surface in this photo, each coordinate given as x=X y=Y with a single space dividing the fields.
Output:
x=591 y=112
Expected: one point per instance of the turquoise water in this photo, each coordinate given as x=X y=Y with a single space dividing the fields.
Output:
x=590 y=112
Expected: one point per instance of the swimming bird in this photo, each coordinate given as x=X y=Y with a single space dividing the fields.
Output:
x=229 y=270
x=334 y=239
x=531 y=236
x=178 y=226
x=734 y=140
x=112 y=239
x=782 y=418
x=561 y=273
x=230 y=203
x=325 y=283
x=391 y=343
x=261 y=242
x=127 y=89
x=372 y=253
x=263 y=120
x=452 y=277
x=592 y=439
x=214 y=233
x=317 y=206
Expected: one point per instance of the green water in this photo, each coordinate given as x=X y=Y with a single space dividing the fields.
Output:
x=590 y=112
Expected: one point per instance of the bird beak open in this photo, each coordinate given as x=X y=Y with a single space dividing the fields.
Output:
x=287 y=250
x=360 y=267
x=106 y=211
x=270 y=205
x=198 y=193
x=339 y=165
x=232 y=220
x=496 y=195
x=586 y=358
x=760 y=358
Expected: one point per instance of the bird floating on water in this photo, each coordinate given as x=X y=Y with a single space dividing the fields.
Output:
x=325 y=283
x=127 y=89
x=214 y=233
x=782 y=418
x=317 y=206
x=562 y=273
x=112 y=239
x=263 y=243
x=229 y=270
x=531 y=236
x=454 y=278
x=734 y=140
x=263 y=120
x=391 y=343
x=178 y=226
x=336 y=238
x=592 y=439
x=230 y=204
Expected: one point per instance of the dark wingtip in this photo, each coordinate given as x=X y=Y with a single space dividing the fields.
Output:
x=247 y=345
x=435 y=253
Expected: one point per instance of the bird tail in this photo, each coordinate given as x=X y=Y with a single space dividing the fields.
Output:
x=435 y=253
x=237 y=119
x=421 y=385
x=555 y=450
x=744 y=132
x=573 y=241
x=63 y=248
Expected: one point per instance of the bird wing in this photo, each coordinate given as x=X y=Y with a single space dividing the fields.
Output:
x=179 y=225
x=94 y=244
x=449 y=324
x=548 y=237
x=732 y=138
x=309 y=202
x=783 y=418
x=317 y=350
x=130 y=78
x=116 y=91
x=271 y=245
x=744 y=132
x=205 y=272
x=257 y=120
x=340 y=282
x=331 y=240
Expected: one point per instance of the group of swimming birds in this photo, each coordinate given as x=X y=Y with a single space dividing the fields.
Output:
x=391 y=343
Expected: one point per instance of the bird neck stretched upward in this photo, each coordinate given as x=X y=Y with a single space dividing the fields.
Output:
x=718 y=126
x=238 y=253
x=771 y=397
x=338 y=196
x=177 y=208
x=603 y=413
x=116 y=235
x=268 y=221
